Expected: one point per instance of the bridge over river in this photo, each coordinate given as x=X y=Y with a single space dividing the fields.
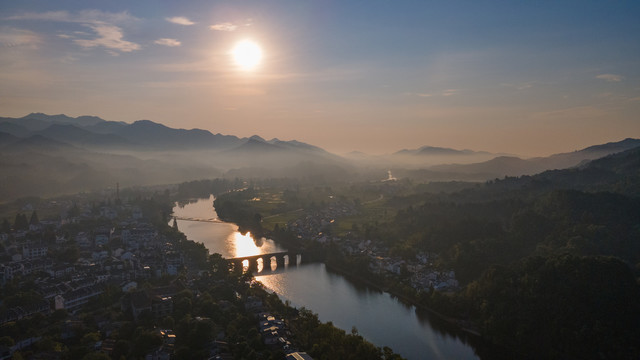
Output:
x=212 y=220
x=281 y=259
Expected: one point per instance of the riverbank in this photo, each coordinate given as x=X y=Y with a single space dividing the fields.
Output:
x=407 y=300
x=453 y=326
x=383 y=318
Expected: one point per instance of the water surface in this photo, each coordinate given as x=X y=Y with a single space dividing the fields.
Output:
x=378 y=317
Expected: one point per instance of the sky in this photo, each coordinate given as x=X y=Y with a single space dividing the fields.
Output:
x=522 y=77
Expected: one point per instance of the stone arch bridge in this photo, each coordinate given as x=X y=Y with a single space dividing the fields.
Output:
x=281 y=258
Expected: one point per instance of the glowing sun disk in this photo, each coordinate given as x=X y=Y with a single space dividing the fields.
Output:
x=247 y=55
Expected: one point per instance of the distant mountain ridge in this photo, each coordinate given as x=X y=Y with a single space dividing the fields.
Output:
x=92 y=131
x=434 y=150
x=44 y=155
x=514 y=166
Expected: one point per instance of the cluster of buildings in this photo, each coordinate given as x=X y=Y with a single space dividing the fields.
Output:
x=274 y=332
x=424 y=276
x=315 y=225
x=71 y=264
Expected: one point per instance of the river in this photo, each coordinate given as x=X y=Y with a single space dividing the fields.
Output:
x=380 y=318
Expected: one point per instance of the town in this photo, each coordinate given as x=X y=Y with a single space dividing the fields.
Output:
x=107 y=278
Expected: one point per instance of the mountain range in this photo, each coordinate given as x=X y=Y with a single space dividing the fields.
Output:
x=514 y=166
x=44 y=155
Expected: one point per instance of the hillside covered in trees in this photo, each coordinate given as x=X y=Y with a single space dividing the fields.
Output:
x=550 y=261
x=548 y=264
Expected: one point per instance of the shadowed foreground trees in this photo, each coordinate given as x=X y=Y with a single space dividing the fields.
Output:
x=325 y=341
x=585 y=307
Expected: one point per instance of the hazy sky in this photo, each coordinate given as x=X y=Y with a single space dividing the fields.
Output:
x=526 y=77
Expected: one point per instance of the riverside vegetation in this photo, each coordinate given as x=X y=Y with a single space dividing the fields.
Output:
x=548 y=265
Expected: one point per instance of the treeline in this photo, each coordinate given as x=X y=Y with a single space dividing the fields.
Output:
x=472 y=236
x=203 y=188
x=551 y=264
x=558 y=307
x=325 y=341
x=235 y=207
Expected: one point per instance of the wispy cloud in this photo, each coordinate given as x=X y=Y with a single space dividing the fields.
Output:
x=107 y=31
x=610 y=77
x=225 y=26
x=83 y=16
x=110 y=37
x=449 y=92
x=518 y=86
x=10 y=37
x=168 y=42
x=180 y=20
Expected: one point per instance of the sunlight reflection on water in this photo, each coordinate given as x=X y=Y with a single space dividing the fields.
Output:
x=211 y=233
x=379 y=317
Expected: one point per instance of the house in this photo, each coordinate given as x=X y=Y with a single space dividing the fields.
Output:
x=10 y=270
x=129 y=286
x=75 y=299
x=19 y=312
x=101 y=239
x=61 y=270
x=82 y=240
x=128 y=256
x=154 y=301
x=139 y=302
x=161 y=307
x=34 y=250
x=99 y=255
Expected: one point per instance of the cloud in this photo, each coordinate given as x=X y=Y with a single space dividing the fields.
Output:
x=109 y=36
x=83 y=16
x=226 y=26
x=518 y=86
x=180 y=20
x=10 y=37
x=447 y=92
x=610 y=77
x=168 y=42
x=105 y=25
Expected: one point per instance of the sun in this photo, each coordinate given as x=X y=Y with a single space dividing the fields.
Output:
x=247 y=55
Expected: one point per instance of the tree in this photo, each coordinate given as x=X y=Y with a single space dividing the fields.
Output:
x=21 y=222
x=34 y=218
x=6 y=226
x=219 y=265
x=7 y=341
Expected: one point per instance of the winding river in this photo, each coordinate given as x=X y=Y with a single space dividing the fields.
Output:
x=377 y=316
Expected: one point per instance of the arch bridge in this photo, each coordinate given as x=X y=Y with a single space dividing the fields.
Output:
x=282 y=258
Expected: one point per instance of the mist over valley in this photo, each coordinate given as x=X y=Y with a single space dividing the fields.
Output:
x=46 y=155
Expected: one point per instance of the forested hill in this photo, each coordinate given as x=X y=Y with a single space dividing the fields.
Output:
x=551 y=262
x=591 y=210
x=617 y=173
